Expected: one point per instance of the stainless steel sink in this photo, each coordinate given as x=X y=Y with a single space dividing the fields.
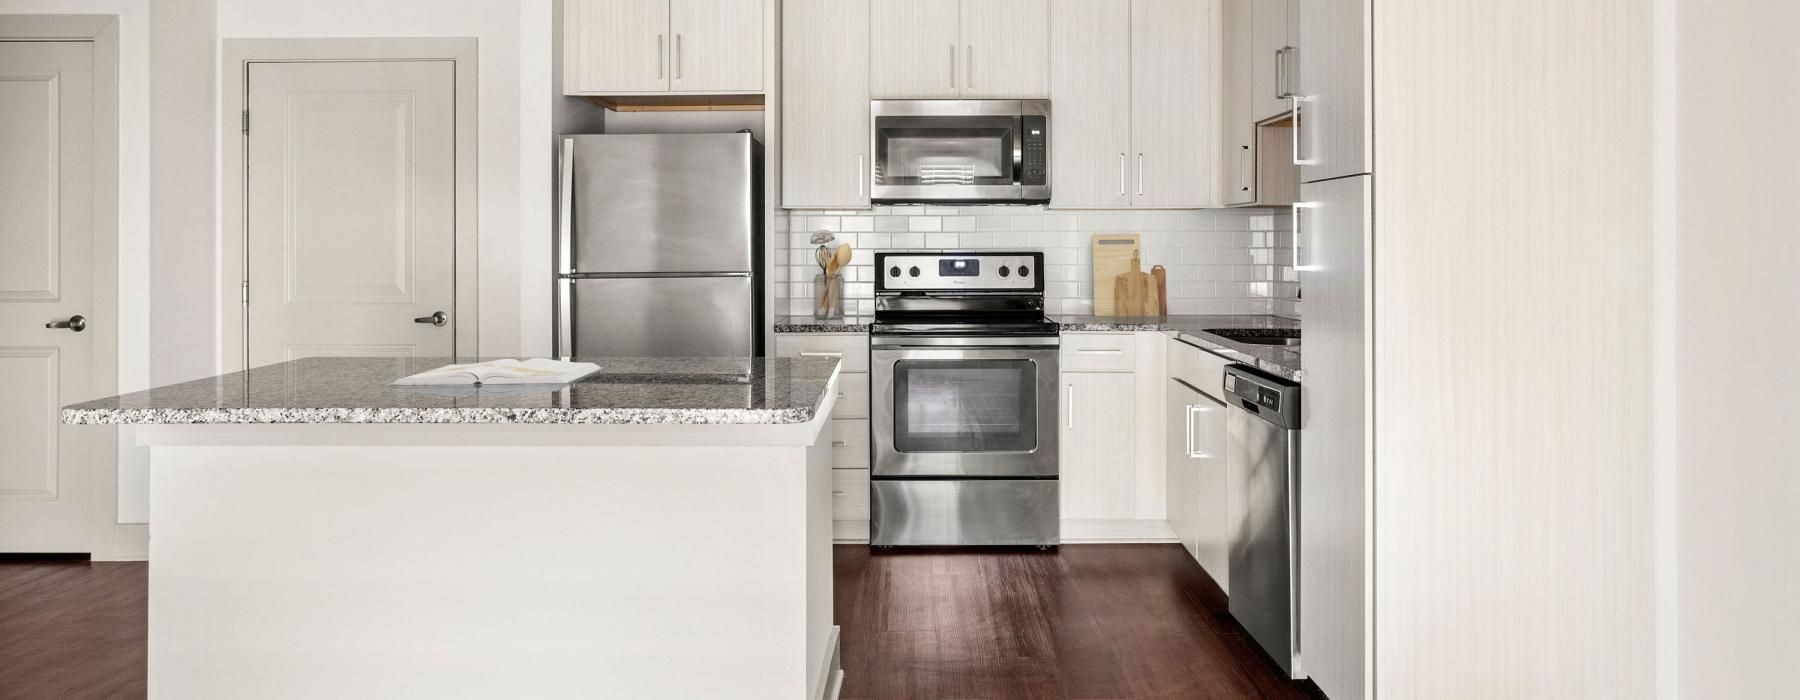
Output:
x=1259 y=336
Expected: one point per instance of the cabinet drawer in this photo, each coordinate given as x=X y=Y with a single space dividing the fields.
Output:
x=1199 y=368
x=853 y=396
x=849 y=494
x=851 y=349
x=1099 y=352
x=850 y=444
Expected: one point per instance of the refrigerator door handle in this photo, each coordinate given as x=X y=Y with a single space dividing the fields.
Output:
x=565 y=208
x=565 y=317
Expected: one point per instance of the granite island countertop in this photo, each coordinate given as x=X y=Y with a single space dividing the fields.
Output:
x=1280 y=360
x=808 y=324
x=626 y=390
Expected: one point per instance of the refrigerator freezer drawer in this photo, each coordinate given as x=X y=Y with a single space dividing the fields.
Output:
x=964 y=512
x=658 y=317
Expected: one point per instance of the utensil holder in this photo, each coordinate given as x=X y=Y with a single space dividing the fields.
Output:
x=828 y=296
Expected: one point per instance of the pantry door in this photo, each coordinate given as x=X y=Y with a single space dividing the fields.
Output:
x=57 y=328
x=351 y=209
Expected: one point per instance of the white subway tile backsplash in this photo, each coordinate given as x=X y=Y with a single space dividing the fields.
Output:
x=858 y=223
x=890 y=223
x=942 y=240
x=924 y=224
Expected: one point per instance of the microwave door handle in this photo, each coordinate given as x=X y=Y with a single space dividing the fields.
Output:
x=1018 y=150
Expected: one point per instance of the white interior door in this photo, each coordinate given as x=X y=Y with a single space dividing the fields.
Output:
x=46 y=275
x=351 y=209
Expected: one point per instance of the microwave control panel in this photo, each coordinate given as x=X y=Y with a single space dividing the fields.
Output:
x=1035 y=144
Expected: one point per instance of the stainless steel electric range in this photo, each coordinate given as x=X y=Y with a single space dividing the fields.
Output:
x=964 y=375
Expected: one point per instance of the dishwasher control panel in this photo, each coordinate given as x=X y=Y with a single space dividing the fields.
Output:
x=1270 y=398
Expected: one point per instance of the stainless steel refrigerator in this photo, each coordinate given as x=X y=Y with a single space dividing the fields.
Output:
x=659 y=246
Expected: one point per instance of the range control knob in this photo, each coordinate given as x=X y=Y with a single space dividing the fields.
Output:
x=913 y=271
x=1004 y=271
x=1024 y=271
x=894 y=271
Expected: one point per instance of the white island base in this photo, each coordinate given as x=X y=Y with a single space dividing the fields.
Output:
x=491 y=561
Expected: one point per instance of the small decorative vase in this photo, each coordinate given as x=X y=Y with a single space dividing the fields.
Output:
x=828 y=296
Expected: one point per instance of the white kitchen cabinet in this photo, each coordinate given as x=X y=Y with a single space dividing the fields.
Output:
x=850 y=420
x=1098 y=447
x=914 y=49
x=635 y=47
x=1256 y=158
x=1332 y=114
x=967 y=49
x=1274 y=36
x=1090 y=97
x=1333 y=229
x=1172 y=115
x=1196 y=476
x=825 y=105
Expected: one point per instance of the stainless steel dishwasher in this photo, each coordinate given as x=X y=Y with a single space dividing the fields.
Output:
x=1262 y=476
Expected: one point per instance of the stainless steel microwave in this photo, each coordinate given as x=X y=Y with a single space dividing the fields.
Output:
x=995 y=151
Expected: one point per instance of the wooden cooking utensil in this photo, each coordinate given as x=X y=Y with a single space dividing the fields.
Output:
x=1161 y=275
x=840 y=259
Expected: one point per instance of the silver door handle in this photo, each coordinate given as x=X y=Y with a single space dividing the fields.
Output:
x=76 y=323
x=1192 y=409
x=1296 y=207
x=861 y=173
x=953 y=66
x=969 y=67
x=1140 y=174
x=677 y=56
x=1297 y=128
x=821 y=354
x=1281 y=73
x=661 y=57
x=1069 y=422
x=437 y=319
x=1121 y=174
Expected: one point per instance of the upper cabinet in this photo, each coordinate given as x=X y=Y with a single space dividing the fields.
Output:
x=1332 y=104
x=825 y=104
x=1256 y=146
x=959 y=49
x=1132 y=103
x=1274 y=38
x=629 y=47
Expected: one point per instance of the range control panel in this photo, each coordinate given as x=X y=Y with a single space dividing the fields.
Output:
x=959 y=272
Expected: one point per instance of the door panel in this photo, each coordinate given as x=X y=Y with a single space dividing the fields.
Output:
x=351 y=206
x=914 y=51
x=1237 y=103
x=825 y=98
x=1090 y=95
x=1006 y=49
x=1099 y=468
x=718 y=45
x=1334 y=68
x=46 y=275
x=663 y=317
x=1171 y=132
x=1271 y=72
x=660 y=203
x=619 y=45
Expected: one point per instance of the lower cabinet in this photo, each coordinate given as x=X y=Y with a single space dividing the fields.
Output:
x=1196 y=476
x=849 y=425
x=1098 y=450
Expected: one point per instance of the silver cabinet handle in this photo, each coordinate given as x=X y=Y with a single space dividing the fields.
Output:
x=437 y=319
x=1069 y=422
x=1140 y=174
x=1297 y=128
x=821 y=354
x=839 y=443
x=1282 y=73
x=953 y=66
x=677 y=56
x=661 y=57
x=1121 y=174
x=861 y=173
x=76 y=324
x=1100 y=351
x=1190 y=428
x=969 y=67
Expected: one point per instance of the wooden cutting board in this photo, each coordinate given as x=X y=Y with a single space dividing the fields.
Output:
x=1161 y=276
x=1135 y=293
x=1113 y=255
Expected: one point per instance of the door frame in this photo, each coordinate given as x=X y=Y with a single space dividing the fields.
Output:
x=234 y=272
x=108 y=538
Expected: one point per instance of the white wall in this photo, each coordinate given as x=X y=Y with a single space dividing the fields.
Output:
x=1736 y=321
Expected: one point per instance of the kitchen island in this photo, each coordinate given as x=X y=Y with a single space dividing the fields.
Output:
x=660 y=529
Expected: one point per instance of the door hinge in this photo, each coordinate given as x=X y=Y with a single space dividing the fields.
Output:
x=244 y=292
x=246 y=121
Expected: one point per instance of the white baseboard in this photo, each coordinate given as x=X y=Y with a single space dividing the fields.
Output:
x=834 y=669
x=849 y=531
x=1124 y=530
x=126 y=542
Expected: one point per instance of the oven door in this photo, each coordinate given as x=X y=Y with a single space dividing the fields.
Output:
x=964 y=411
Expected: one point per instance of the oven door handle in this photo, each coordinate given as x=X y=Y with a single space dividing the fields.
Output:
x=960 y=343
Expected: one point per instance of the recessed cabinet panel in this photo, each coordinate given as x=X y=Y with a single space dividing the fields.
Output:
x=1090 y=95
x=825 y=104
x=915 y=48
x=616 y=46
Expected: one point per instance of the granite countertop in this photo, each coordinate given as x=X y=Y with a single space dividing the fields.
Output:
x=626 y=390
x=808 y=324
x=1280 y=360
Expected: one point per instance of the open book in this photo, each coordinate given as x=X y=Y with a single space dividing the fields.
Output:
x=533 y=371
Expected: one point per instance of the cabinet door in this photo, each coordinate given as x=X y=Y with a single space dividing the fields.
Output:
x=1090 y=101
x=718 y=45
x=1333 y=230
x=614 y=46
x=1212 y=526
x=1099 y=462
x=1006 y=49
x=1271 y=58
x=1333 y=120
x=1237 y=106
x=914 y=50
x=825 y=104
x=1173 y=125
x=1183 y=470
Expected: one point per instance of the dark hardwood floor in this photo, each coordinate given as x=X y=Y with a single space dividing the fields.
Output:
x=1087 y=621
x=71 y=629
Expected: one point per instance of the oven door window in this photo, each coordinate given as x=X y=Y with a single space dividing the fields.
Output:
x=965 y=405
x=915 y=151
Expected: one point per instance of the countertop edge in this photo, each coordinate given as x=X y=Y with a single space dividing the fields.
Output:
x=428 y=416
